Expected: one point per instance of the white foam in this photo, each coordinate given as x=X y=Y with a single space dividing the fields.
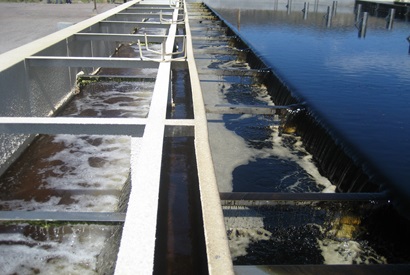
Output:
x=136 y=98
x=241 y=238
x=76 y=169
x=348 y=252
x=97 y=166
x=345 y=249
x=234 y=64
x=298 y=154
x=230 y=150
x=63 y=250
x=245 y=226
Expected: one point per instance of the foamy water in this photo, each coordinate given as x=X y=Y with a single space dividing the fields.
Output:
x=90 y=169
x=244 y=226
x=230 y=150
x=71 y=249
x=335 y=241
x=349 y=252
x=97 y=162
x=83 y=173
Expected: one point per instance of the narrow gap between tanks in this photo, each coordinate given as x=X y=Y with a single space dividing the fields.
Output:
x=182 y=105
x=180 y=244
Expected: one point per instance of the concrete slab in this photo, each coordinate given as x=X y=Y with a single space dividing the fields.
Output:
x=21 y=23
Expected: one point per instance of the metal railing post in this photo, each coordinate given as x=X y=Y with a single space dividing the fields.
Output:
x=363 y=25
x=329 y=17
x=305 y=10
x=390 y=19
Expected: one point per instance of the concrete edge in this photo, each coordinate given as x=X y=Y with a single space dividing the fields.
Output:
x=137 y=248
x=218 y=253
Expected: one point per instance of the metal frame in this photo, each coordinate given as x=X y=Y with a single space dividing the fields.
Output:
x=99 y=217
x=73 y=125
x=136 y=252
x=108 y=62
x=122 y=37
x=163 y=52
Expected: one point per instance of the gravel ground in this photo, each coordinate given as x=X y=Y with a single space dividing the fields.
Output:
x=21 y=23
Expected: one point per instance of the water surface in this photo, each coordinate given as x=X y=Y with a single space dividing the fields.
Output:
x=358 y=86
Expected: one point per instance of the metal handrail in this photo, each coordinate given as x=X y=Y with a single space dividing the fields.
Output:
x=162 y=53
x=170 y=21
x=176 y=4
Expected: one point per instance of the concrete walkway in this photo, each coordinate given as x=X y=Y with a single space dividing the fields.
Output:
x=22 y=23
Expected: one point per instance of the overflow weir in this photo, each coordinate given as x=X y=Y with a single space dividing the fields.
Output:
x=151 y=139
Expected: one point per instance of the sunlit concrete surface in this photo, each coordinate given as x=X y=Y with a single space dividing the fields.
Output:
x=22 y=23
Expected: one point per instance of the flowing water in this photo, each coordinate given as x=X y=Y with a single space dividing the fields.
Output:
x=53 y=248
x=252 y=153
x=72 y=173
x=312 y=233
x=265 y=153
x=357 y=86
x=75 y=173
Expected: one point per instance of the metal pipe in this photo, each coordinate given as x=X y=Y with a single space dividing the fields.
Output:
x=243 y=198
x=110 y=217
x=238 y=19
x=73 y=125
x=408 y=40
x=289 y=6
x=84 y=62
x=334 y=7
x=363 y=25
x=390 y=19
x=358 y=12
x=329 y=17
x=305 y=10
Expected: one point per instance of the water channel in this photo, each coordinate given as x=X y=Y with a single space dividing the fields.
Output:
x=356 y=85
x=287 y=154
x=252 y=153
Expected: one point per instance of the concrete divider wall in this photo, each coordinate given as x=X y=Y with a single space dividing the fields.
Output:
x=14 y=92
